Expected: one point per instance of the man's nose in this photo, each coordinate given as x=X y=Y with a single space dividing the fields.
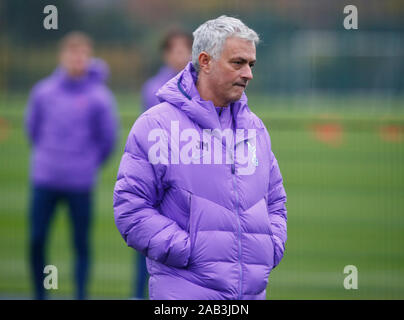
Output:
x=247 y=73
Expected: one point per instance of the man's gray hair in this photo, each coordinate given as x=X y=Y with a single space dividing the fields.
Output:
x=211 y=36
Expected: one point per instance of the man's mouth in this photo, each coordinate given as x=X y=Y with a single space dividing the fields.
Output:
x=241 y=84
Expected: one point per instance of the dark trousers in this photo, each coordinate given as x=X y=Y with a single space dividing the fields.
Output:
x=43 y=204
x=141 y=276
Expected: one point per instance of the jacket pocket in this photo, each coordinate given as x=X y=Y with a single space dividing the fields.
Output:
x=191 y=227
x=273 y=251
x=271 y=234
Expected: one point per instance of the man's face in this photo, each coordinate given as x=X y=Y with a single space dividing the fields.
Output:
x=75 y=59
x=231 y=73
x=179 y=53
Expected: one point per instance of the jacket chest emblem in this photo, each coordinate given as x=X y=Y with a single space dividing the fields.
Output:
x=253 y=150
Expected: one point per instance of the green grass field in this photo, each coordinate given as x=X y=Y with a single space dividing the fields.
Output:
x=345 y=204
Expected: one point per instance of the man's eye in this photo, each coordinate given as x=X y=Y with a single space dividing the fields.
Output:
x=252 y=66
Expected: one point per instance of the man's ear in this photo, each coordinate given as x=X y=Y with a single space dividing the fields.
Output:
x=205 y=62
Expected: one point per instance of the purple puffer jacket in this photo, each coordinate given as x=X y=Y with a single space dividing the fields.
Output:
x=208 y=231
x=72 y=126
x=152 y=85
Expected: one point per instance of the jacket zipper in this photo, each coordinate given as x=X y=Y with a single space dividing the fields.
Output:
x=233 y=171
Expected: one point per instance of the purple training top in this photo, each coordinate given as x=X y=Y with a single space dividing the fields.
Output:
x=151 y=86
x=72 y=126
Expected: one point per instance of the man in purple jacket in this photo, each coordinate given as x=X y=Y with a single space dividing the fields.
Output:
x=176 y=51
x=199 y=191
x=72 y=127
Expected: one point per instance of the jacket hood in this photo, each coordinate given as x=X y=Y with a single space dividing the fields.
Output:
x=181 y=92
x=97 y=72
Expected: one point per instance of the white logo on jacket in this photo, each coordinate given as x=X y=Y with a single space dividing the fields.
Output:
x=188 y=147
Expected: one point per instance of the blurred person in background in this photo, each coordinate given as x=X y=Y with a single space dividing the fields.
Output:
x=176 y=52
x=72 y=127
x=209 y=230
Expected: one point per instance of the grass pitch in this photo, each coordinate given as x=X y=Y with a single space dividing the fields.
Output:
x=343 y=171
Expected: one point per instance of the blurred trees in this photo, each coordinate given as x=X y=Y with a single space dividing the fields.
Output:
x=304 y=45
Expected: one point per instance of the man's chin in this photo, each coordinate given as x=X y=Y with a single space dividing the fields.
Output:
x=234 y=96
x=237 y=96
